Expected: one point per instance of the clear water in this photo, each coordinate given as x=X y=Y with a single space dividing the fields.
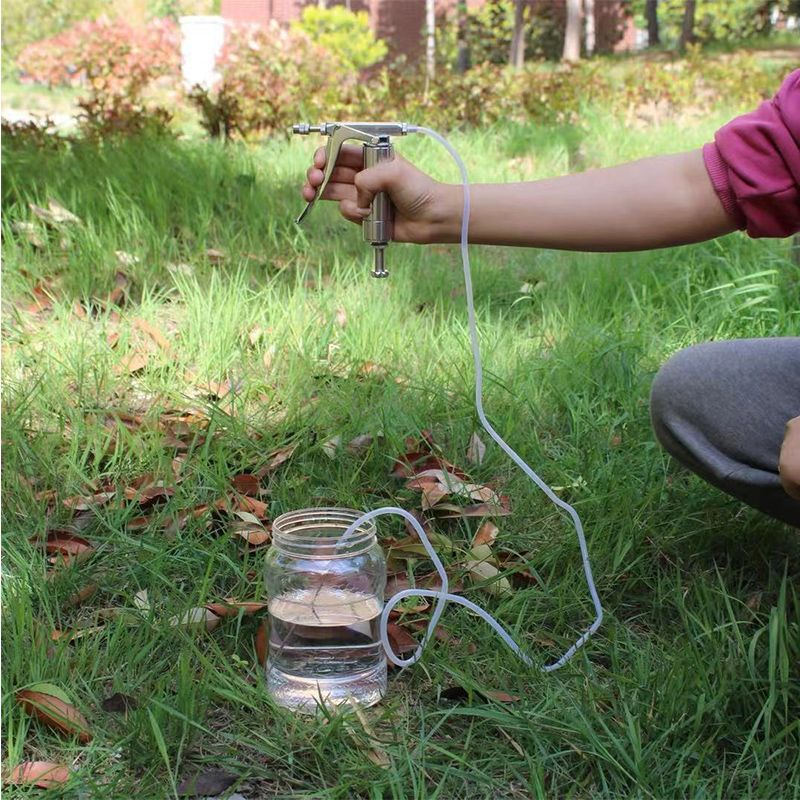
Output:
x=324 y=646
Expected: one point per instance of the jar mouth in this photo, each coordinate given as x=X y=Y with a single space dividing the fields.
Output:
x=316 y=532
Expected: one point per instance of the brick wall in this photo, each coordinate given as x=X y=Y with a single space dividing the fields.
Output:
x=401 y=22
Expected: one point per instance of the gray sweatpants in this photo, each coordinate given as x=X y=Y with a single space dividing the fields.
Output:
x=721 y=409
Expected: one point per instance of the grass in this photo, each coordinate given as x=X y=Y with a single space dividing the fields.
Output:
x=691 y=686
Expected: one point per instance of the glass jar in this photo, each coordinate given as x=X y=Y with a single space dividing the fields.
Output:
x=325 y=603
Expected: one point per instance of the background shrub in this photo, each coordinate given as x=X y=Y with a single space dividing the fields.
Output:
x=116 y=63
x=345 y=35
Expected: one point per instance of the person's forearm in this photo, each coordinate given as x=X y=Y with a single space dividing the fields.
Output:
x=656 y=202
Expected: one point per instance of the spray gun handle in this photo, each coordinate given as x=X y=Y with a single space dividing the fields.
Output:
x=378 y=226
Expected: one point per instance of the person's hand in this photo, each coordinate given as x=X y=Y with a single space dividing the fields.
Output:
x=789 y=462
x=425 y=210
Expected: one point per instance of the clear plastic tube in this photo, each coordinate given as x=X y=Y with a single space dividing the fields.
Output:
x=443 y=596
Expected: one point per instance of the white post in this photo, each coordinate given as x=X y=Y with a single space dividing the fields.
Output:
x=201 y=43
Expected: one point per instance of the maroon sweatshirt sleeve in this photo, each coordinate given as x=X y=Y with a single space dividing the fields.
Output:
x=754 y=165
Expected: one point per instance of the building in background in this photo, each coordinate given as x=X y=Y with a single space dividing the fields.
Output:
x=400 y=23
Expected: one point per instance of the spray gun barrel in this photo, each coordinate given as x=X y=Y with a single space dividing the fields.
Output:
x=378 y=227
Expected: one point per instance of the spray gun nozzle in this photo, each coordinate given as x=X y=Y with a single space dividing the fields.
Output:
x=379 y=270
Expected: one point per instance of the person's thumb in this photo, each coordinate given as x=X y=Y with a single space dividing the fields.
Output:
x=380 y=178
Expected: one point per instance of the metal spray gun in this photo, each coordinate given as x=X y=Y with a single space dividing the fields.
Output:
x=378 y=227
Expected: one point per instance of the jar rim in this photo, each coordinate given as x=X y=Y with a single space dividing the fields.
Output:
x=304 y=529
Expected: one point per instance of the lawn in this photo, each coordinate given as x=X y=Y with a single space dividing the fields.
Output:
x=185 y=329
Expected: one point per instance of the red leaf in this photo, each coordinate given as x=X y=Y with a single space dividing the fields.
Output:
x=43 y=774
x=54 y=712
x=246 y=484
x=262 y=643
x=230 y=608
x=487 y=533
x=400 y=639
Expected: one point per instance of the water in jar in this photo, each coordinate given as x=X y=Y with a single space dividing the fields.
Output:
x=324 y=647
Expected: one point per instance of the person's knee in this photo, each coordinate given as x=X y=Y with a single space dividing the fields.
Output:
x=677 y=390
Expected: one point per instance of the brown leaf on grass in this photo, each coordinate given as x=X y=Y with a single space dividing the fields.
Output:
x=208 y=783
x=78 y=310
x=262 y=643
x=126 y=259
x=441 y=634
x=42 y=300
x=215 y=256
x=240 y=502
x=268 y=357
x=61 y=214
x=331 y=447
x=88 y=502
x=249 y=528
x=149 y=495
x=132 y=363
x=64 y=543
x=488 y=575
x=153 y=332
x=451 y=511
x=476 y=449
x=76 y=633
x=82 y=594
x=246 y=484
x=275 y=459
x=117 y=294
x=29 y=231
x=231 y=608
x=375 y=753
x=360 y=444
x=486 y=535
x=119 y=703
x=432 y=494
x=372 y=370
x=341 y=317
x=400 y=639
x=400 y=582
x=460 y=693
x=200 y=618
x=54 y=711
x=44 y=774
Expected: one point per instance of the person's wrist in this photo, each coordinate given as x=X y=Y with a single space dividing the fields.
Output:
x=445 y=226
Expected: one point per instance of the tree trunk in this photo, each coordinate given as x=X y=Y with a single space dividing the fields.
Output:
x=588 y=9
x=430 y=39
x=652 y=23
x=462 y=56
x=687 y=29
x=516 y=55
x=572 y=33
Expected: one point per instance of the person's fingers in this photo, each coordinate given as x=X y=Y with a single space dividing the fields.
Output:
x=340 y=175
x=351 y=155
x=379 y=178
x=339 y=191
x=350 y=211
x=333 y=191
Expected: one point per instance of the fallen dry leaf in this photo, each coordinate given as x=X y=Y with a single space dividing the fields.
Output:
x=331 y=447
x=44 y=774
x=61 y=214
x=132 y=363
x=400 y=639
x=231 y=608
x=268 y=357
x=341 y=317
x=82 y=594
x=208 y=783
x=66 y=544
x=153 y=332
x=42 y=300
x=375 y=753
x=275 y=459
x=476 y=449
x=484 y=571
x=460 y=693
x=215 y=256
x=360 y=444
x=451 y=511
x=76 y=633
x=486 y=535
x=126 y=259
x=262 y=643
x=30 y=231
x=119 y=703
x=246 y=484
x=196 y=618
x=54 y=711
